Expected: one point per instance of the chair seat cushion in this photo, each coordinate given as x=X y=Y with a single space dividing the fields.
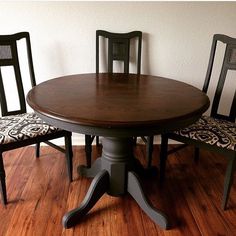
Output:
x=23 y=126
x=212 y=131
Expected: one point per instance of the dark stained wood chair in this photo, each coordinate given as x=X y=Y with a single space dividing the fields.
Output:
x=119 y=50
x=216 y=132
x=18 y=128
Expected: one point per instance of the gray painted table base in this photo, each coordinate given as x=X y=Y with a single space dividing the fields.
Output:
x=114 y=173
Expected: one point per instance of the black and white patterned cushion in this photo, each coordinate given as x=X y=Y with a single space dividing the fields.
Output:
x=23 y=126
x=212 y=131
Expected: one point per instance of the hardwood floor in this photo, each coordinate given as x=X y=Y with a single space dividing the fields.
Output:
x=39 y=194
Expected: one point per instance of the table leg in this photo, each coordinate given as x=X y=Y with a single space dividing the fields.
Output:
x=135 y=190
x=114 y=174
x=97 y=188
x=90 y=172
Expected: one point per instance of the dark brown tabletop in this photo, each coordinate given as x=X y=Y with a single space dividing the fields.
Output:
x=117 y=107
x=118 y=101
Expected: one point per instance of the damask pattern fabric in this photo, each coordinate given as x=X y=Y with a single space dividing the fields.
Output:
x=23 y=126
x=212 y=131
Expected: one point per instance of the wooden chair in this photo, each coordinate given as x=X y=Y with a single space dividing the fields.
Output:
x=18 y=128
x=118 y=50
x=216 y=132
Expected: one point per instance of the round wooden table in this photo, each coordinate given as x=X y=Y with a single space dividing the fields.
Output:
x=117 y=107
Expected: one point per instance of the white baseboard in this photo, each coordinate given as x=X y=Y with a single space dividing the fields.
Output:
x=78 y=139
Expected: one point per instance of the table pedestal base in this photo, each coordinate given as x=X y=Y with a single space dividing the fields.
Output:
x=113 y=174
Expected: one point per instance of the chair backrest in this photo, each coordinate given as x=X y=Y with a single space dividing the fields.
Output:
x=119 y=49
x=229 y=63
x=9 y=58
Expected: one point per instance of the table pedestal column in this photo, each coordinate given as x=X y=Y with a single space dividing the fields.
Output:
x=114 y=173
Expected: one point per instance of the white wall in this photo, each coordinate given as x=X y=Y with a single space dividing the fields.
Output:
x=176 y=35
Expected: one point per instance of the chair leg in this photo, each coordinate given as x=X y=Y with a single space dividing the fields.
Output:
x=69 y=156
x=196 y=154
x=163 y=157
x=3 y=181
x=37 y=150
x=88 y=149
x=97 y=141
x=149 y=150
x=228 y=181
x=134 y=141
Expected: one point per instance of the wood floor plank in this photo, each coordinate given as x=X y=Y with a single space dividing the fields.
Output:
x=40 y=195
x=17 y=172
x=205 y=212
x=42 y=190
x=174 y=203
